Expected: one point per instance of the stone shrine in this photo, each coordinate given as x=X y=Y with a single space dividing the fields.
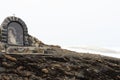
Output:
x=14 y=32
x=14 y=38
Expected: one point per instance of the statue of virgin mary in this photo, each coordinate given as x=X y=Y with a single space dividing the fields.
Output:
x=11 y=37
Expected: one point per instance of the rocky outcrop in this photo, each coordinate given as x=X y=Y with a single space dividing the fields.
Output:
x=35 y=42
x=54 y=63
x=24 y=57
x=60 y=64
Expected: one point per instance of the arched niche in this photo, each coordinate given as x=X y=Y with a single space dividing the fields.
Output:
x=14 y=32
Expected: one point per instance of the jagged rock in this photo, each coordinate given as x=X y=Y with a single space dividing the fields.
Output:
x=35 y=42
x=45 y=70
x=5 y=64
x=64 y=65
x=10 y=58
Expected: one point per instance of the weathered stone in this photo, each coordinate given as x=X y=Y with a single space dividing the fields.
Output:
x=5 y=78
x=19 y=68
x=6 y=64
x=10 y=58
x=2 y=69
x=45 y=70
x=14 y=31
x=56 y=65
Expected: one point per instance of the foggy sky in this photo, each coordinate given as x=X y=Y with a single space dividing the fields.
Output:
x=68 y=22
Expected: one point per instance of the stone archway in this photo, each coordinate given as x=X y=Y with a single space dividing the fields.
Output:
x=14 y=32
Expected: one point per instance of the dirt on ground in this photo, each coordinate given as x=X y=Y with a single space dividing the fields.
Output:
x=58 y=64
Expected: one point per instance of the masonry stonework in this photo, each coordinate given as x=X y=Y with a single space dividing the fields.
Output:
x=14 y=32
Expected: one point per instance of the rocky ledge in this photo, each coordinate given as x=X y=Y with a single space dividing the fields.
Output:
x=60 y=64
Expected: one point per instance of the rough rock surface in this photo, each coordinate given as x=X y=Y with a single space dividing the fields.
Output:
x=58 y=64
x=55 y=64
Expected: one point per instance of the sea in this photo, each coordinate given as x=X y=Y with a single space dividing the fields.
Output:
x=105 y=51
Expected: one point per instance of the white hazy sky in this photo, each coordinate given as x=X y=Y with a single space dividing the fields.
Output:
x=68 y=22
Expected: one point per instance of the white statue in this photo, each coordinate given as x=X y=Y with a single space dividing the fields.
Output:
x=11 y=37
